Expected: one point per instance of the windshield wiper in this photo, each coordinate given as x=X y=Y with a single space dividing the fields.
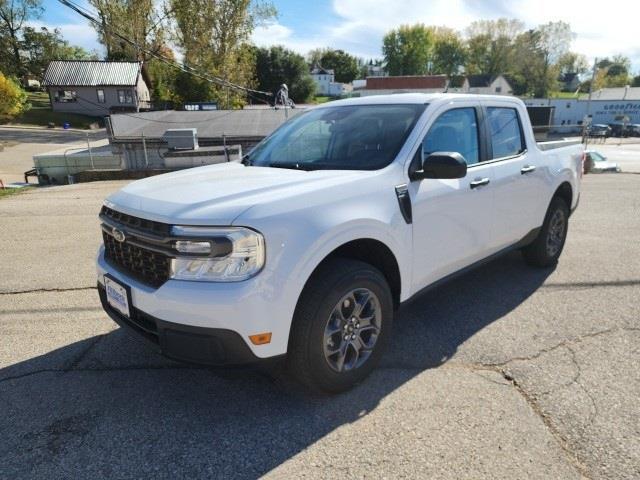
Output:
x=246 y=161
x=293 y=166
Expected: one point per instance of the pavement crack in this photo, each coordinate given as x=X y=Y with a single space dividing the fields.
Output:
x=84 y=353
x=555 y=433
x=43 y=290
x=104 y=369
x=581 y=285
x=564 y=343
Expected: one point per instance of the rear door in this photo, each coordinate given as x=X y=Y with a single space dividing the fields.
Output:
x=518 y=179
x=452 y=218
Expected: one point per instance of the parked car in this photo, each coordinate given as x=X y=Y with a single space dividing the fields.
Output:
x=620 y=129
x=634 y=130
x=305 y=250
x=595 y=162
x=599 y=130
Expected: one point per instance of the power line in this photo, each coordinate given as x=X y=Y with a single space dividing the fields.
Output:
x=184 y=68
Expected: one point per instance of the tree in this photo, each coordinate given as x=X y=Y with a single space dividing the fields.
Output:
x=636 y=81
x=613 y=72
x=278 y=65
x=572 y=62
x=449 y=53
x=13 y=100
x=213 y=37
x=40 y=46
x=408 y=50
x=490 y=45
x=345 y=66
x=13 y=16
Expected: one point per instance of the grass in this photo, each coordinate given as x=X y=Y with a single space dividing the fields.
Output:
x=5 y=192
x=40 y=114
x=321 y=99
x=564 y=95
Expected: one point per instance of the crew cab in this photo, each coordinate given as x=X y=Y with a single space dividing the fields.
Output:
x=304 y=250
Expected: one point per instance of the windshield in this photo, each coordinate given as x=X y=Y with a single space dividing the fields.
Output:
x=596 y=157
x=354 y=137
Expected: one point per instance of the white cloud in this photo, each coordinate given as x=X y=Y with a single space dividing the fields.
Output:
x=78 y=34
x=600 y=31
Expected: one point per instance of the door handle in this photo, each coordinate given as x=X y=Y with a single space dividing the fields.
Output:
x=479 y=182
x=527 y=169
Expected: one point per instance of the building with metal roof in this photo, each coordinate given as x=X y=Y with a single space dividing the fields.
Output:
x=96 y=88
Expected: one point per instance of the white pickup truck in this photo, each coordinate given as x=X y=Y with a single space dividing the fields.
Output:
x=305 y=249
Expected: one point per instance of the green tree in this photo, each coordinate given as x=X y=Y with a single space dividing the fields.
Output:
x=490 y=45
x=528 y=74
x=408 y=50
x=13 y=100
x=636 y=81
x=40 y=46
x=449 y=52
x=572 y=62
x=278 y=65
x=213 y=37
x=345 y=66
x=13 y=16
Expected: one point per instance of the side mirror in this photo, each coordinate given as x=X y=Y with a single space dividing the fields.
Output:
x=443 y=165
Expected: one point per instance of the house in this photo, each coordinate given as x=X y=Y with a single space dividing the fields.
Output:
x=487 y=85
x=570 y=82
x=376 y=70
x=326 y=84
x=96 y=88
x=406 y=83
x=323 y=77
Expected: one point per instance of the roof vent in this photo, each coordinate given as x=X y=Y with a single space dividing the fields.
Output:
x=181 y=138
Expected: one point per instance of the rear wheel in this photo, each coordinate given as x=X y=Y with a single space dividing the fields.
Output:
x=547 y=247
x=340 y=327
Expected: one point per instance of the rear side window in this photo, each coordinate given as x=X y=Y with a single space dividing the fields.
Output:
x=454 y=131
x=506 y=132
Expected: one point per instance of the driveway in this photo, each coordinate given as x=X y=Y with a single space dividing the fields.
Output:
x=507 y=372
x=24 y=143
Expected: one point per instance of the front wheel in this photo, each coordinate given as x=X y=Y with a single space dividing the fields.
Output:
x=340 y=326
x=547 y=247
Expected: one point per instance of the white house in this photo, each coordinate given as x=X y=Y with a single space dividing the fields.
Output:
x=323 y=77
x=487 y=85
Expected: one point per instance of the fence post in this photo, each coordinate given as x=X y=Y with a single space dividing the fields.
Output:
x=90 y=152
x=144 y=147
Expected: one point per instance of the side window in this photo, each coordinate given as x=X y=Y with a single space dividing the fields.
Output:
x=454 y=131
x=506 y=133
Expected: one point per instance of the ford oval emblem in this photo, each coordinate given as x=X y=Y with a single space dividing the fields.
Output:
x=118 y=235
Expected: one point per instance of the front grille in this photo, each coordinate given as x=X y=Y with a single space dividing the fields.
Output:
x=151 y=268
x=141 y=224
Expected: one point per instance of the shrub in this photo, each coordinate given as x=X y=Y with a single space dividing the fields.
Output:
x=13 y=99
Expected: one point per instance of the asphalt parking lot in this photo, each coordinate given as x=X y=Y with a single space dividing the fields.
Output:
x=507 y=372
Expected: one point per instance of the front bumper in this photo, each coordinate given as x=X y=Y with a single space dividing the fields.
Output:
x=205 y=322
x=209 y=346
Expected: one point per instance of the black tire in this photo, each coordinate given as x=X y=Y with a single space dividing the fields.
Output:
x=327 y=288
x=545 y=250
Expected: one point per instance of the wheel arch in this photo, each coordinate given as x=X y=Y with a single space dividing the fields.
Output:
x=375 y=253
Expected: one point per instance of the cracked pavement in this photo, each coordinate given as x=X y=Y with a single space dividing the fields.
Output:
x=506 y=372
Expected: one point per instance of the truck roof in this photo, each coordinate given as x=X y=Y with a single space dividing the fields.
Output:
x=412 y=98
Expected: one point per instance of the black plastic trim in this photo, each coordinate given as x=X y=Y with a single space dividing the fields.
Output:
x=404 y=201
x=200 y=345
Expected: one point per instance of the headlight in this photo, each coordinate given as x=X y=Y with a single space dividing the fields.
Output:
x=213 y=254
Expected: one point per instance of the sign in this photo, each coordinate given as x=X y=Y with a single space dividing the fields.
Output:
x=200 y=106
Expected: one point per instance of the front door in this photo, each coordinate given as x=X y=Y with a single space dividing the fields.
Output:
x=452 y=219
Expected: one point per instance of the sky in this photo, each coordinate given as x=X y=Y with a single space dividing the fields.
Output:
x=357 y=26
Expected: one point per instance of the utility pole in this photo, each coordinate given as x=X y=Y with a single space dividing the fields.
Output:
x=587 y=119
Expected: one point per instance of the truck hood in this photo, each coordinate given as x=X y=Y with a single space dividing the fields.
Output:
x=218 y=194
